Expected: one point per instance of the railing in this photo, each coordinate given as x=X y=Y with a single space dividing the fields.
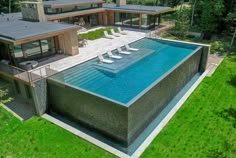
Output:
x=26 y=76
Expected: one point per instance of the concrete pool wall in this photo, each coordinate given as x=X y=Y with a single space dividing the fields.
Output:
x=123 y=124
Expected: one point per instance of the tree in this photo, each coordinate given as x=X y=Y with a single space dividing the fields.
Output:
x=182 y=23
x=211 y=11
x=7 y=6
x=193 y=11
x=231 y=19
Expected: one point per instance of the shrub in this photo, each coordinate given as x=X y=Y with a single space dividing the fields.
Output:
x=217 y=46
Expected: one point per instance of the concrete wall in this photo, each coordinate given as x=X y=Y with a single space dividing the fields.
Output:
x=98 y=114
x=35 y=95
x=33 y=10
x=68 y=43
x=39 y=96
x=19 y=90
x=120 y=2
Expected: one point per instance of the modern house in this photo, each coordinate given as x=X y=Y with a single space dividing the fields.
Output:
x=90 y=13
x=21 y=41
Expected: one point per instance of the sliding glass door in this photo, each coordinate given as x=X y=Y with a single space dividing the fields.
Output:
x=127 y=19
x=34 y=50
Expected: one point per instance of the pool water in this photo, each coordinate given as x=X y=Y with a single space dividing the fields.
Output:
x=125 y=79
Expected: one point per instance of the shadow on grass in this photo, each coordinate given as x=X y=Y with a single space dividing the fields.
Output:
x=232 y=81
x=229 y=115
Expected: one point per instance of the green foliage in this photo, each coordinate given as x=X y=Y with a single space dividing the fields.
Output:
x=15 y=6
x=182 y=23
x=220 y=47
x=197 y=130
x=3 y=98
x=216 y=46
x=93 y=35
x=211 y=10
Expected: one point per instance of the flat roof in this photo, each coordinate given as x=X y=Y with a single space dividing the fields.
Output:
x=67 y=3
x=13 y=28
x=137 y=8
x=74 y=13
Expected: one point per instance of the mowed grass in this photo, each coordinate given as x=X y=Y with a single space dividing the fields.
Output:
x=99 y=33
x=205 y=126
x=41 y=139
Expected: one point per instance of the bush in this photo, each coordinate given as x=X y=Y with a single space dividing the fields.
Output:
x=216 y=47
x=93 y=35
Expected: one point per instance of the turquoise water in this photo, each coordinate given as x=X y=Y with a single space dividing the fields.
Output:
x=126 y=78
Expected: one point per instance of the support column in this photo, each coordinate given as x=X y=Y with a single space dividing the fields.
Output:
x=69 y=43
x=105 y=18
x=111 y=18
x=100 y=19
x=159 y=19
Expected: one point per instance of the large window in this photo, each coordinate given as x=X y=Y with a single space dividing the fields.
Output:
x=49 y=10
x=34 y=50
x=148 y=21
x=127 y=19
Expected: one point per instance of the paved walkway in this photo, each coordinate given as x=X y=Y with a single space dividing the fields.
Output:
x=20 y=108
x=214 y=61
x=96 y=47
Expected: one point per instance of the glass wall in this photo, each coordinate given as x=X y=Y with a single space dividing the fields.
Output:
x=34 y=50
x=149 y=21
x=84 y=21
x=127 y=19
x=49 y=10
x=133 y=20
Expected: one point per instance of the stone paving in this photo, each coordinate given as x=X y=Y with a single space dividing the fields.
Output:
x=95 y=47
x=214 y=61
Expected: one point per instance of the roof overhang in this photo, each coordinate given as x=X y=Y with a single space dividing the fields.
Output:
x=138 y=9
x=73 y=14
x=55 y=5
x=140 y=12
x=43 y=36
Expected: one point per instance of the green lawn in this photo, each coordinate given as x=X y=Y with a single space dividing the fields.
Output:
x=204 y=127
x=40 y=139
x=99 y=33
x=206 y=124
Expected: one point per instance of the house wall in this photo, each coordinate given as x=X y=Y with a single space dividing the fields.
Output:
x=68 y=43
x=33 y=11
x=120 y=2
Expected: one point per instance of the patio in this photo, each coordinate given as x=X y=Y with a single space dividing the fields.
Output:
x=93 y=48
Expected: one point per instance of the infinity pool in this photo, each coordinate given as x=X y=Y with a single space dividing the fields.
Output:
x=125 y=79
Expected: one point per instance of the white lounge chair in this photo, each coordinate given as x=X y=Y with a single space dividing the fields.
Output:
x=121 y=32
x=123 y=52
x=130 y=49
x=107 y=35
x=114 y=34
x=113 y=56
x=102 y=59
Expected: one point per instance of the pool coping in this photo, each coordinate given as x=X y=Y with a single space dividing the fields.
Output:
x=147 y=141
